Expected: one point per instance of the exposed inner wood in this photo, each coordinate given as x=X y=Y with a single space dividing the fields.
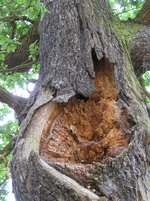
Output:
x=87 y=130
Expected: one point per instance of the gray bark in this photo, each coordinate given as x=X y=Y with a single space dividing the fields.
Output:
x=141 y=56
x=77 y=41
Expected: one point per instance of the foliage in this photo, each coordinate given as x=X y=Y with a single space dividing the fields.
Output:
x=8 y=129
x=126 y=9
x=16 y=18
x=146 y=79
x=4 y=179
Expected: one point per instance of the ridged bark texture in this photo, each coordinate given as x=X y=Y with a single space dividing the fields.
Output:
x=140 y=51
x=78 y=46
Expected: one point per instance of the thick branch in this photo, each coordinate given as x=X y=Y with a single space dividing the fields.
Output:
x=14 y=17
x=6 y=150
x=20 y=68
x=140 y=51
x=21 y=54
x=15 y=102
x=143 y=16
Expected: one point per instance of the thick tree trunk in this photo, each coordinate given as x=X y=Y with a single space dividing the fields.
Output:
x=86 y=134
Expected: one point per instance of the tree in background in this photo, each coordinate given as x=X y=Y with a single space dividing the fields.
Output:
x=84 y=130
x=19 y=67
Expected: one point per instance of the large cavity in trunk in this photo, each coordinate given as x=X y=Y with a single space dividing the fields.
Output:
x=84 y=130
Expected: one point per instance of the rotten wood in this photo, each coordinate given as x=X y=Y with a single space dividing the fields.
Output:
x=86 y=133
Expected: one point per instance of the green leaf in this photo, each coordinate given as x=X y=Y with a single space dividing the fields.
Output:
x=2 y=57
x=11 y=48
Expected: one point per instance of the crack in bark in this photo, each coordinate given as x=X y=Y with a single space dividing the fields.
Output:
x=121 y=178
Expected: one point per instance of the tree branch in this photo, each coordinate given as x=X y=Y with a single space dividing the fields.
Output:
x=6 y=150
x=143 y=15
x=14 y=17
x=15 y=102
x=21 y=54
x=19 y=68
x=3 y=181
x=6 y=165
x=125 y=11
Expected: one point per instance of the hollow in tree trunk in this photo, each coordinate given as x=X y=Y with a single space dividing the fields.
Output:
x=84 y=133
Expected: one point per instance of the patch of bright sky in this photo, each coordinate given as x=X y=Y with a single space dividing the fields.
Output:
x=117 y=7
x=10 y=116
x=19 y=92
x=10 y=196
x=148 y=89
x=23 y=92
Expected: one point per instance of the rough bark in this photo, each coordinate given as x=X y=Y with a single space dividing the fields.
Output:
x=140 y=51
x=86 y=134
x=143 y=16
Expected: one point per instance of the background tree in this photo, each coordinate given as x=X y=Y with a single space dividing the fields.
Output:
x=18 y=53
x=90 y=107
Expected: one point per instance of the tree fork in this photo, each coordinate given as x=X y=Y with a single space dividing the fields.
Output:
x=15 y=102
x=86 y=135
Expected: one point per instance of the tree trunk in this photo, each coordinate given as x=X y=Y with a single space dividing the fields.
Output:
x=86 y=133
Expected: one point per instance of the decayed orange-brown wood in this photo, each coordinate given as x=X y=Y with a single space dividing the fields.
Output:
x=84 y=131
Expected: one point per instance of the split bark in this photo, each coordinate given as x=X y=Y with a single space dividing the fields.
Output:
x=78 y=45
